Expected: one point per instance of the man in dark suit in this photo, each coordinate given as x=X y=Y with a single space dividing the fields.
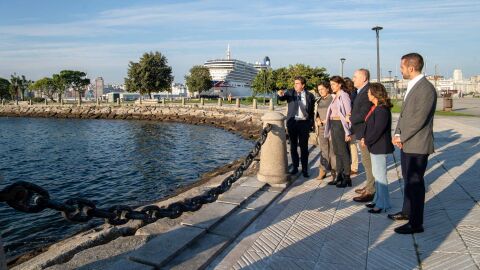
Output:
x=300 y=119
x=414 y=136
x=360 y=109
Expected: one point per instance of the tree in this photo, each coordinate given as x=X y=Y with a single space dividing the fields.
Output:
x=284 y=77
x=199 y=79
x=59 y=84
x=18 y=85
x=263 y=83
x=151 y=74
x=4 y=88
x=46 y=86
x=75 y=80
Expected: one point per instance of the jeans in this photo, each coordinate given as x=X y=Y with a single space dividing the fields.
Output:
x=379 y=170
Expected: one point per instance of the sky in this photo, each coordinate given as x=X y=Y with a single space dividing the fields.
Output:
x=39 y=38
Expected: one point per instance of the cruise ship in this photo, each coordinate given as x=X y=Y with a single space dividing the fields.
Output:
x=233 y=77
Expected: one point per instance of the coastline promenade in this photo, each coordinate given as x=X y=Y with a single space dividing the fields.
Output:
x=316 y=226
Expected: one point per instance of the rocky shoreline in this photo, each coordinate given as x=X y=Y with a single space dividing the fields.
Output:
x=242 y=121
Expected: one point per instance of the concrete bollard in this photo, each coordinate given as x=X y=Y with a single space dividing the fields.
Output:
x=237 y=102
x=220 y=102
x=163 y=101
x=254 y=104
x=183 y=101
x=98 y=102
x=202 y=101
x=79 y=102
x=30 y=102
x=273 y=156
x=271 y=107
x=46 y=102
x=3 y=102
x=118 y=101
x=3 y=261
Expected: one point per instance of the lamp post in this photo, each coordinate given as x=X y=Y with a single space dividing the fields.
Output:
x=343 y=61
x=377 y=31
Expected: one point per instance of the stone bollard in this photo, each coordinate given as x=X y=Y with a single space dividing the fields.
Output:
x=220 y=102
x=273 y=156
x=254 y=104
x=30 y=102
x=183 y=101
x=98 y=102
x=163 y=101
x=237 y=102
x=118 y=102
x=202 y=101
x=271 y=107
x=3 y=261
x=46 y=102
x=3 y=102
x=79 y=102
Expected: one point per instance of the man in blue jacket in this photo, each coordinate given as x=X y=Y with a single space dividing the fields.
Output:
x=300 y=119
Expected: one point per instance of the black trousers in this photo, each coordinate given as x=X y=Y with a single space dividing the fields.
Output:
x=298 y=131
x=341 y=148
x=413 y=171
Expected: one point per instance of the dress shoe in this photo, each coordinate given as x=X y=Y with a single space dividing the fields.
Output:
x=360 y=190
x=305 y=174
x=365 y=197
x=293 y=171
x=321 y=175
x=408 y=229
x=370 y=205
x=336 y=180
x=347 y=181
x=375 y=210
x=398 y=216
x=334 y=174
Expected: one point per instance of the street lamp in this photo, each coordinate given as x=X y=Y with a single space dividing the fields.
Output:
x=377 y=31
x=343 y=61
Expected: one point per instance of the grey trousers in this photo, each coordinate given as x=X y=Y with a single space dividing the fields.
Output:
x=327 y=156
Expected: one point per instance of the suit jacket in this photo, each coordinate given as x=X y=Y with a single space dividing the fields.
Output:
x=378 y=131
x=360 y=108
x=290 y=96
x=415 y=124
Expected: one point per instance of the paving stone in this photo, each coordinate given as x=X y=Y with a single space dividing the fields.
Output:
x=379 y=257
x=199 y=253
x=431 y=240
x=261 y=201
x=471 y=237
x=445 y=261
x=125 y=264
x=208 y=215
x=235 y=223
x=286 y=263
x=251 y=260
x=237 y=195
x=253 y=182
x=158 y=227
x=321 y=265
x=163 y=247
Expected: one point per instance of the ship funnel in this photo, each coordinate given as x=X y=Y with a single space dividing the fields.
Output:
x=228 y=51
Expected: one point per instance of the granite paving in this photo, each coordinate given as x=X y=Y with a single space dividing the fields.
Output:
x=312 y=225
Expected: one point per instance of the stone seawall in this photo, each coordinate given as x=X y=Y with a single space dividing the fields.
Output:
x=245 y=122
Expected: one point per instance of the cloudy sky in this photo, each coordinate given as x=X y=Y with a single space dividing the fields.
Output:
x=38 y=38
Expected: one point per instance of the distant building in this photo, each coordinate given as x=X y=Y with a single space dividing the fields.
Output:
x=457 y=75
x=99 y=86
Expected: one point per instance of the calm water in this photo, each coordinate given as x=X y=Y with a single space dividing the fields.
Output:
x=107 y=161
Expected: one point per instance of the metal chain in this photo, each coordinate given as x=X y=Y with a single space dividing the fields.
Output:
x=30 y=198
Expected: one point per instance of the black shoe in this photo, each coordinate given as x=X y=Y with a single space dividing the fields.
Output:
x=293 y=171
x=305 y=174
x=370 y=205
x=347 y=181
x=408 y=229
x=373 y=211
x=338 y=179
x=398 y=216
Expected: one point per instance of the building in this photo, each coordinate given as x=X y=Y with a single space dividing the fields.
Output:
x=99 y=86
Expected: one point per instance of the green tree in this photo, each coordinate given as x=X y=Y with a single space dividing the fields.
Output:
x=59 y=84
x=282 y=78
x=18 y=85
x=151 y=74
x=263 y=83
x=75 y=80
x=46 y=86
x=199 y=79
x=4 y=88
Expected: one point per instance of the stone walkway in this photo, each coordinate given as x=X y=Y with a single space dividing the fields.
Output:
x=316 y=226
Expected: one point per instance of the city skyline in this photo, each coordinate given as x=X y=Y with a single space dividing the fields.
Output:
x=100 y=38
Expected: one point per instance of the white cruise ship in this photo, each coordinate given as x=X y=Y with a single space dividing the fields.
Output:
x=233 y=77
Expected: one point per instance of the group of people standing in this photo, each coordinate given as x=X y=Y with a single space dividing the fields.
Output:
x=346 y=113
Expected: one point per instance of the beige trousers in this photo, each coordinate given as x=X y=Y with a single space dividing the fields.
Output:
x=354 y=155
x=367 y=164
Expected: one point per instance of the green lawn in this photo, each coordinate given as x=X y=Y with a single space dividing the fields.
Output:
x=397 y=106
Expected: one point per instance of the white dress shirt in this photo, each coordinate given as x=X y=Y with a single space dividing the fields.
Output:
x=303 y=99
x=411 y=83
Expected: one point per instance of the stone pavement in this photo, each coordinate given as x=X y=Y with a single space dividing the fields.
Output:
x=316 y=226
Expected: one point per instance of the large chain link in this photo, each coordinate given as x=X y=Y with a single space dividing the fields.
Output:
x=30 y=198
